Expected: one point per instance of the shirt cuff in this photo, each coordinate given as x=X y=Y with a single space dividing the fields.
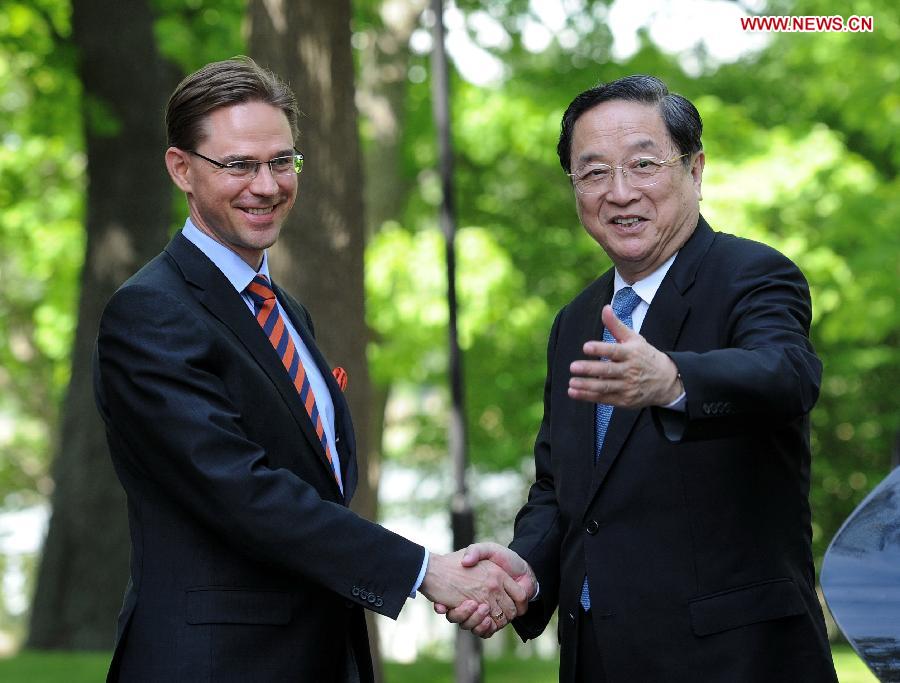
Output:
x=421 y=576
x=678 y=404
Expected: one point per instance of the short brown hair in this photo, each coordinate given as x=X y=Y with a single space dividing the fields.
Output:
x=220 y=84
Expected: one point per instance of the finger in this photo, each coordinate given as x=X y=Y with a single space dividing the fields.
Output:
x=596 y=391
x=506 y=609
x=595 y=369
x=485 y=629
x=475 y=553
x=619 y=330
x=604 y=351
x=515 y=565
x=584 y=395
x=598 y=386
x=474 y=619
x=515 y=600
x=513 y=589
x=528 y=581
x=508 y=560
x=465 y=612
x=597 y=350
x=440 y=609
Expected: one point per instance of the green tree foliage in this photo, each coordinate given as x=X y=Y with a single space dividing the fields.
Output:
x=42 y=187
x=41 y=192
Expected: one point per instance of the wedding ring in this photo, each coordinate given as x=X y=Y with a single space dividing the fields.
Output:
x=497 y=617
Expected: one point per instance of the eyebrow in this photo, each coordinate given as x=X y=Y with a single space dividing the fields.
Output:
x=245 y=157
x=641 y=145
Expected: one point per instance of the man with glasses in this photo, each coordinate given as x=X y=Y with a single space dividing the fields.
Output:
x=669 y=518
x=232 y=439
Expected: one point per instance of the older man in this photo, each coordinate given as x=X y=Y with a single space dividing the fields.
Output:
x=669 y=518
x=231 y=437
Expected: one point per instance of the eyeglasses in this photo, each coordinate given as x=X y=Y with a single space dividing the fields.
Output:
x=637 y=172
x=247 y=169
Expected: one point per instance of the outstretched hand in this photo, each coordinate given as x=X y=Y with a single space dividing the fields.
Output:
x=628 y=374
x=477 y=617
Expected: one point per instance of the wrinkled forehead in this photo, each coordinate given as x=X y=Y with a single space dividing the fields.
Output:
x=617 y=130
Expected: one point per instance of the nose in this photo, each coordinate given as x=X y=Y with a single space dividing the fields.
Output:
x=620 y=190
x=264 y=183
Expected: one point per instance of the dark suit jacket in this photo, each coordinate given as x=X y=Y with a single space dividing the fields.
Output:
x=693 y=529
x=246 y=563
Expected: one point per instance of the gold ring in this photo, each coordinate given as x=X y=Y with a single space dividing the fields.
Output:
x=497 y=617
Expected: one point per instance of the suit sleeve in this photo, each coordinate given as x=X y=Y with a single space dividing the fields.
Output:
x=538 y=533
x=766 y=370
x=174 y=422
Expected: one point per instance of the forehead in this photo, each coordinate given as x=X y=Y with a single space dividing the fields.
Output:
x=241 y=127
x=615 y=129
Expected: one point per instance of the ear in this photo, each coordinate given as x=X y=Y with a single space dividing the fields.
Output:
x=179 y=166
x=697 y=173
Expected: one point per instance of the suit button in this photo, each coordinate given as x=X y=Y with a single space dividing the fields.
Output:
x=592 y=527
x=372 y=598
x=355 y=591
x=379 y=602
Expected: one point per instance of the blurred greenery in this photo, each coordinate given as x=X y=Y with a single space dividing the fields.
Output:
x=46 y=667
x=803 y=151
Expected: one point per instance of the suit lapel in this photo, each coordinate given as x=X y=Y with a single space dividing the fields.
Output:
x=218 y=296
x=661 y=328
x=585 y=438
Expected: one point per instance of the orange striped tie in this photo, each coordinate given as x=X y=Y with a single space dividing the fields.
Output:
x=270 y=320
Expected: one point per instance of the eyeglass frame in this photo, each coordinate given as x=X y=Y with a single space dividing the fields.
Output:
x=665 y=163
x=258 y=162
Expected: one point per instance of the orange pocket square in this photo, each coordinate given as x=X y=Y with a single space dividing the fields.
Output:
x=340 y=376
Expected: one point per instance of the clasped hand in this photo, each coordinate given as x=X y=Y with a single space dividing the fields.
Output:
x=482 y=588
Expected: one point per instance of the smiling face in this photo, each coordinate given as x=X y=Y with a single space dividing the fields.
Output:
x=639 y=228
x=245 y=216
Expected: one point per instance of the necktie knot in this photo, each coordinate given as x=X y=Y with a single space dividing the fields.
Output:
x=260 y=290
x=624 y=302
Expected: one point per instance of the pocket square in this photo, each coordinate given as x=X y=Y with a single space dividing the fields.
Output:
x=340 y=376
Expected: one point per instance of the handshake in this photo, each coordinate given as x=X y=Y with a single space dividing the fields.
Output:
x=482 y=588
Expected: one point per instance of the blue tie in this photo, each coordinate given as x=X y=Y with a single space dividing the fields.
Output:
x=623 y=304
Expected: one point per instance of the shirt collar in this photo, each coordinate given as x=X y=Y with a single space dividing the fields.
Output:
x=233 y=267
x=646 y=288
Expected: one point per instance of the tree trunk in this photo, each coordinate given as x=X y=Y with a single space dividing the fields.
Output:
x=319 y=257
x=84 y=567
x=384 y=67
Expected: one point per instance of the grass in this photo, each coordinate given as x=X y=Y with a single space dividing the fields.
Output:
x=90 y=667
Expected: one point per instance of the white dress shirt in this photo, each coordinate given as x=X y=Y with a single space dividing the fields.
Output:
x=646 y=289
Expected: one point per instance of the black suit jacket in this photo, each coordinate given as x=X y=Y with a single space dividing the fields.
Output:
x=693 y=529
x=246 y=563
